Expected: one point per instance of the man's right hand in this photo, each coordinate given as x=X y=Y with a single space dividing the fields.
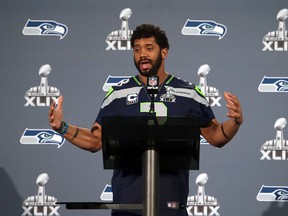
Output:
x=55 y=114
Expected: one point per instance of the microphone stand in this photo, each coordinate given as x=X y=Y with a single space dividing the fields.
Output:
x=150 y=163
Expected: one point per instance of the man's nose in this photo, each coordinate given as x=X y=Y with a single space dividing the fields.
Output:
x=143 y=53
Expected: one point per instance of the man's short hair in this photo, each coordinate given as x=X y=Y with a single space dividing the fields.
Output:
x=149 y=30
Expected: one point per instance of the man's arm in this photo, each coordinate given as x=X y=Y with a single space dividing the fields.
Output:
x=84 y=138
x=218 y=134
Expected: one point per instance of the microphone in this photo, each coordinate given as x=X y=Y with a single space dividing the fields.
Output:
x=152 y=85
x=152 y=89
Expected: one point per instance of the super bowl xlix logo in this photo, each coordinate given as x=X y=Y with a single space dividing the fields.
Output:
x=212 y=94
x=276 y=149
x=40 y=204
x=277 y=40
x=42 y=95
x=120 y=39
x=202 y=204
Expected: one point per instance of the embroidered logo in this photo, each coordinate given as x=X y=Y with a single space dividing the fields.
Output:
x=168 y=97
x=132 y=99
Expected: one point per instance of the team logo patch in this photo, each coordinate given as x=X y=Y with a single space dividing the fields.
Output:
x=45 y=28
x=132 y=99
x=204 y=28
x=168 y=97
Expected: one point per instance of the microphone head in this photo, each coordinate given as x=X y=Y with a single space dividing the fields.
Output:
x=152 y=84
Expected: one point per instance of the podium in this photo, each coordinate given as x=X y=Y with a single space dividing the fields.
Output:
x=151 y=144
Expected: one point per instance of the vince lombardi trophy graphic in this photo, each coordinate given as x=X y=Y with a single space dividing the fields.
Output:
x=208 y=91
x=281 y=17
x=44 y=71
x=124 y=16
x=43 y=94
x=203 y=71
x=201 y=204
x=279 y=126
x=41 y=204
x=281 y=35
x=41 y=182
x=124 y=33
x=201 y=181
x=43 y=89
x=279 y=143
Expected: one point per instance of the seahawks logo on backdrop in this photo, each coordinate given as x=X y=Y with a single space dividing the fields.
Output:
x=273 y=84
x=41 y=137
x=273 y=194
x=45 y=28
x=204 y=28
x=107 y=194
x=115 y=81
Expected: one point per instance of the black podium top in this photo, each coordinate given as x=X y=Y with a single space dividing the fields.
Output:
x=125 y=138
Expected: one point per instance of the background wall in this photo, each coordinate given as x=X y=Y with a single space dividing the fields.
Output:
x=80 y=66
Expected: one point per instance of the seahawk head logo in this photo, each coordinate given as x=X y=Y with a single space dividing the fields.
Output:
x=41 y=137
x=282 y=85
x=45 y=28
x=204 y=28
x=281 y=195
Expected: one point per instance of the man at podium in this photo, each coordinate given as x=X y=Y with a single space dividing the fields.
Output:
x=173 y=97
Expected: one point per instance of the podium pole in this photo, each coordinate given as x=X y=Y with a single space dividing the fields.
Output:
x=150 y=169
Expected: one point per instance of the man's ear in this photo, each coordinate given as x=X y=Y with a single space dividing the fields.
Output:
x=164 y=53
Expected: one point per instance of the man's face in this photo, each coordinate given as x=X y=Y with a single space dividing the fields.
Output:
x=147 y=56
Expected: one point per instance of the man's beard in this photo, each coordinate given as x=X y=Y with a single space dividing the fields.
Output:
x=153 y=70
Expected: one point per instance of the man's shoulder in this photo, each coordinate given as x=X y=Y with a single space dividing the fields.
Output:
x=181 y=83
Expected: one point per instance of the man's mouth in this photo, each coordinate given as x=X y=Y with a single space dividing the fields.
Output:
x=145 y=65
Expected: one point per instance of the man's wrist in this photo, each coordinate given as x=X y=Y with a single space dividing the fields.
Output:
x=63 y=128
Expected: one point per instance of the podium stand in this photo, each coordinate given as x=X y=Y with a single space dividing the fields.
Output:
x=150 y=144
